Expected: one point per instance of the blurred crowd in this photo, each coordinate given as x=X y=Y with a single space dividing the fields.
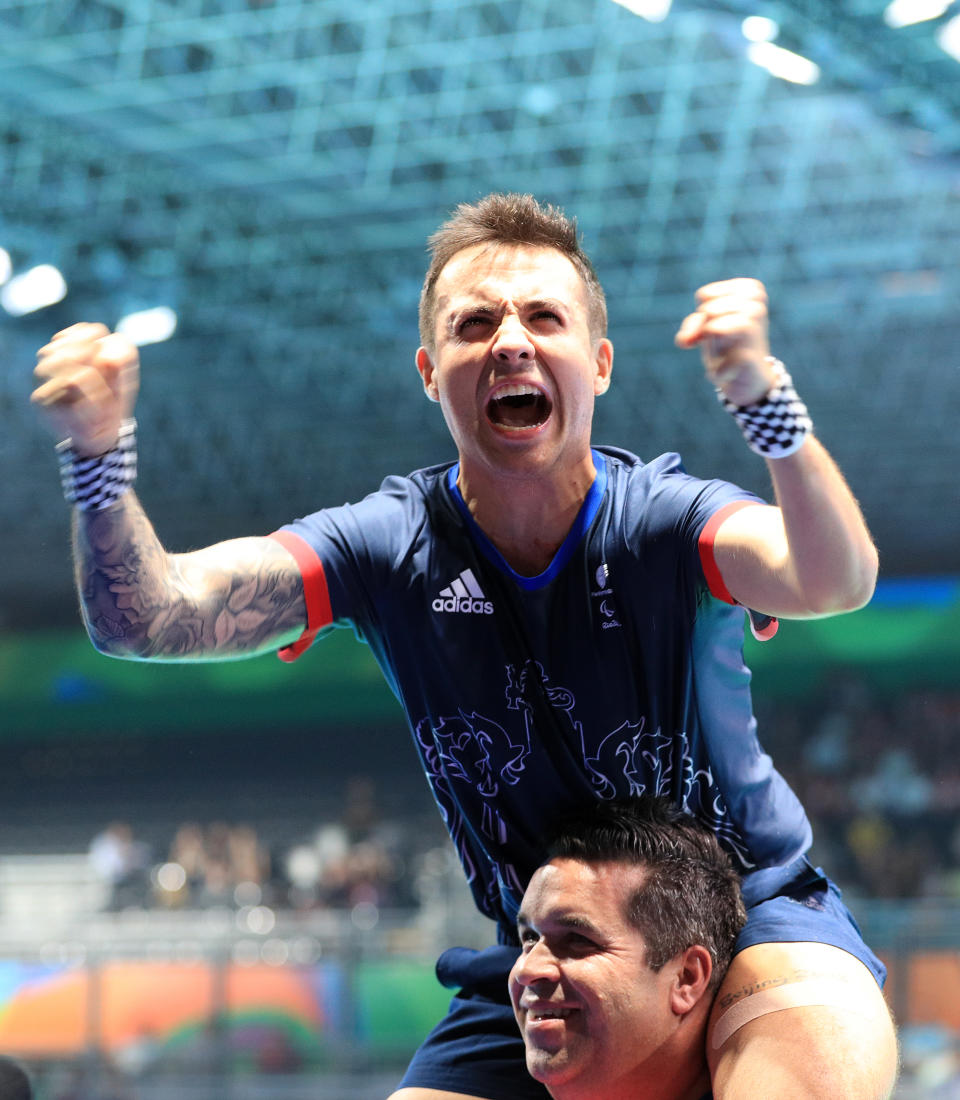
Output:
x=359 y=858
x=880 y=779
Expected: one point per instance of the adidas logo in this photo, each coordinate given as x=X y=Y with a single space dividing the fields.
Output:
x=463 y=595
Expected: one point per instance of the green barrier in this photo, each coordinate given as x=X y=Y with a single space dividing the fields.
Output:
x=56 y=685
x=398 y=1002
x=908 y=637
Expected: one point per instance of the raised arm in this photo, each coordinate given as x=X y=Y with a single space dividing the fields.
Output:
x=234 y=599
x=812 y=555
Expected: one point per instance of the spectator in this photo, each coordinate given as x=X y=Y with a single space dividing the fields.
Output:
x=121 y=863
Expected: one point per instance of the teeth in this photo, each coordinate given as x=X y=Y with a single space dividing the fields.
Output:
x=517 y=390
x=551 y=1014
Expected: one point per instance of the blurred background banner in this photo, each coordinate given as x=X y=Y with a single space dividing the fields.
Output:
x=245 y=188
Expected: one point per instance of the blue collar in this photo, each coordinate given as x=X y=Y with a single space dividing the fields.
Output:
x=581 y=524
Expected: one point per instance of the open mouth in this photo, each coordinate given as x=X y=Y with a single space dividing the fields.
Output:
x=518 y=407
x=548 y=1014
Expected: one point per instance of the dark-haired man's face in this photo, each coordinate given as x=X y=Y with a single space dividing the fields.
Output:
x=595 y=1019
x=514 y=366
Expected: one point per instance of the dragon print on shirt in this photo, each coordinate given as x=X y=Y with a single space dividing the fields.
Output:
x=525 y=714
x=469 y=755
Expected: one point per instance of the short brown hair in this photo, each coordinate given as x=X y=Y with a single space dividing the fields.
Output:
x=509 y=219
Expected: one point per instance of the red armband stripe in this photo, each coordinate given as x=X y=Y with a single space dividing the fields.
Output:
x=768 y=626
x=710 y=568
x=316 y=595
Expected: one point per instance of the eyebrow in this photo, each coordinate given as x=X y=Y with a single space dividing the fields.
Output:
x=566 y=920
x=484 y=307
x=454 y=316
x=545 y=303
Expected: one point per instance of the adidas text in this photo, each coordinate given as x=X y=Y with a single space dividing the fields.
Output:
x=464 y=604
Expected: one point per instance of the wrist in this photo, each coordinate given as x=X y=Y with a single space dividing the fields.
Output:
x=777 y=424
x=747 y=383
x=95 y=482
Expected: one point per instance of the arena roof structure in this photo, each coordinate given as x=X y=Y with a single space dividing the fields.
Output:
x=271 y=169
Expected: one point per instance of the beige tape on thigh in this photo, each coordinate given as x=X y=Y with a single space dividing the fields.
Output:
x=809 y=991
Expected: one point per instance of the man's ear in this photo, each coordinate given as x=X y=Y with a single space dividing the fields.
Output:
x=692 y=971
x=427 y=373
x=604 y=361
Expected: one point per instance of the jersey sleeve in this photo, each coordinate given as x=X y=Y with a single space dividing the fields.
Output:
x=347 y=557
x=763 y=627
x=685 y=513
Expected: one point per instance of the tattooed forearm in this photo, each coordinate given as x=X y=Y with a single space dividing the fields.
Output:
x=230 y=600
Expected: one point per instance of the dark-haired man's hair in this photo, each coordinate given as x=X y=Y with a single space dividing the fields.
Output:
x=690 y=894
x=508 y=219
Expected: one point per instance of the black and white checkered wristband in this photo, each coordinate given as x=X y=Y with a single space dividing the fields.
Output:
x=776 y=425
x=95 y=483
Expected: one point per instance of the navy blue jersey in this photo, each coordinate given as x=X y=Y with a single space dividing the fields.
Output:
x=616 y=672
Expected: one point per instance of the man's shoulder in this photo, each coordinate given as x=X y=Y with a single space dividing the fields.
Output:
x=626 y=466
x=659 y=496
x=415 y=488
x=403 y=504
x=428 y=479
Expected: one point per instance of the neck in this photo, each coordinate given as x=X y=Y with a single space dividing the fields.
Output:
x=526 y=518
x=676 y=1071
x=676 y=1083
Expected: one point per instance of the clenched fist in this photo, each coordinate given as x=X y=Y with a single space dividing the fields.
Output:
x=730 y=327
x=88 y=381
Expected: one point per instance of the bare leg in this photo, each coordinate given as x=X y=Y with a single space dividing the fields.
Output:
x=844 y=1048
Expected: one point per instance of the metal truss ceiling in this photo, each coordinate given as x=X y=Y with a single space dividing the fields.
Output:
x=272 y=168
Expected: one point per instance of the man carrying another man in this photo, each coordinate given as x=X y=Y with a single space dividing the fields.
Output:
x=561 y=622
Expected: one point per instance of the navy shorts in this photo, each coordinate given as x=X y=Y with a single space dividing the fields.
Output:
x=476 y=1048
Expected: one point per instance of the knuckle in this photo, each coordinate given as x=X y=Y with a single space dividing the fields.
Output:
x=117 y=348
x=82 y=330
